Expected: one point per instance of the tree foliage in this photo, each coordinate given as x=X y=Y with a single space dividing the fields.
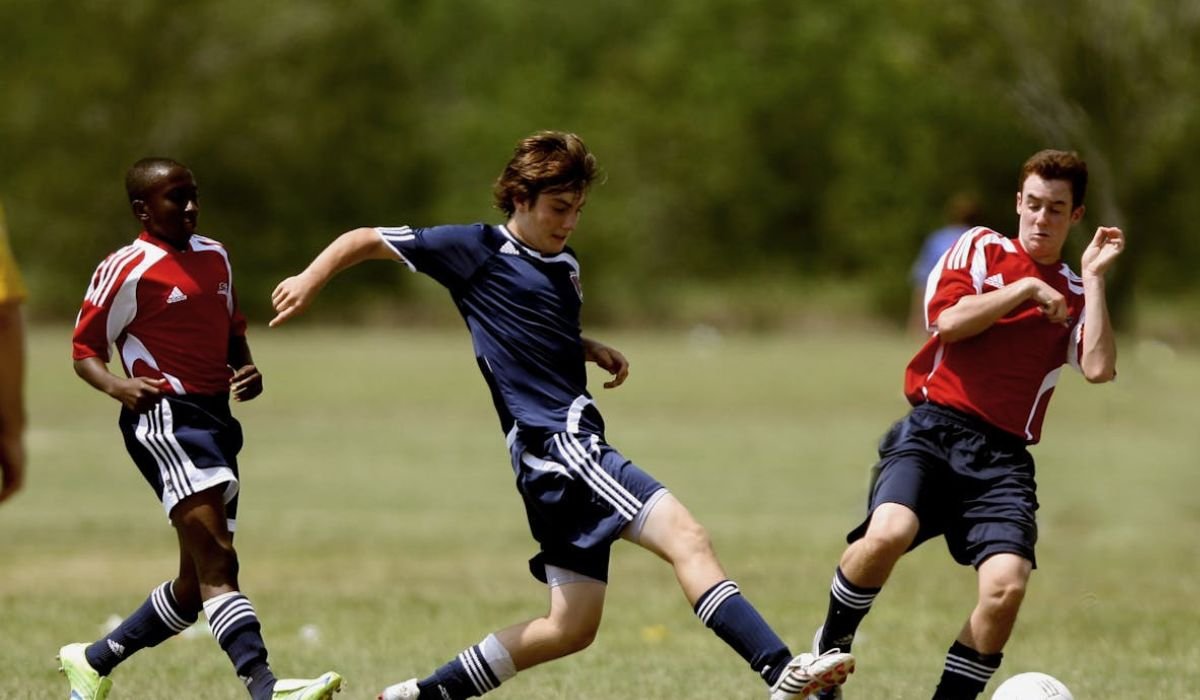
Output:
x=742 y=139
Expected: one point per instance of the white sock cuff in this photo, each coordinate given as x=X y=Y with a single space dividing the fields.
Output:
x=498 y=658
x=213 y=604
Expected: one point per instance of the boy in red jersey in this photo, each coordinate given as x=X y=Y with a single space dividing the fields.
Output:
x=1006 y=315
x=167 y=302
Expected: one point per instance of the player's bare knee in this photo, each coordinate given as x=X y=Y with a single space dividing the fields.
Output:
x=575 y=635
x=1004 y=598
x=690 y=541
x=886 y=544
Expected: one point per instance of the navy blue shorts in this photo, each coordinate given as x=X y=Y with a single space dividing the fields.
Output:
x=185 y=445
x=965 y=480
x=580 y=494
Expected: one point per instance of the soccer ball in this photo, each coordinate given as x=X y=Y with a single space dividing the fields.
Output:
x=1032 y=686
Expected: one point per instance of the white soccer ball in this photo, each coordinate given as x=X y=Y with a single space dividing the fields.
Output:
x=1032 y=686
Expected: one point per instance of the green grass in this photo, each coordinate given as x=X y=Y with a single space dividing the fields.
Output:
x=378 y=508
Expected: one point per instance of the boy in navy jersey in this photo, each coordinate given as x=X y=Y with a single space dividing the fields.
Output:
x=167 y=303
x=517 y=287
x=1006 y=315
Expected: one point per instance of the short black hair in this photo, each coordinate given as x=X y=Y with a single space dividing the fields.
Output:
x=142 y=175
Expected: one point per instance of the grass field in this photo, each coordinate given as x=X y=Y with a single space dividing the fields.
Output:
x=380 y=533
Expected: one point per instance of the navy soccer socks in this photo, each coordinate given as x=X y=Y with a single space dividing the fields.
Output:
x=848 y=605
x=235 y=626
x=157 y=620
x=726 y=612
x=966 y=673
x=472 y=673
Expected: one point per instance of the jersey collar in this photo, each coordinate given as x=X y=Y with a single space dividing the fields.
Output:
x=565 y=256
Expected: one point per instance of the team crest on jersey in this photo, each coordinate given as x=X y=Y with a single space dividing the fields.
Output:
x=576 y=283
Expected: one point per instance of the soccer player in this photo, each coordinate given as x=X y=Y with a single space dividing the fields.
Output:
x=517 y=286
x=1006 y=314
x=12 y=372
x=167 y=302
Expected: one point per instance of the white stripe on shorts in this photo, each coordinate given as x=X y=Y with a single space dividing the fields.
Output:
x=601 y=481
x=180 y=476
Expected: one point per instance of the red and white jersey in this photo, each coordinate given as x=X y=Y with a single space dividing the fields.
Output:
x=1006 y=374
x=169 y=312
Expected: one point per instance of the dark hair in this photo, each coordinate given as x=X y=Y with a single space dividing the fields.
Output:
x=548 y=161
x=143 y=174
x=1058 y=165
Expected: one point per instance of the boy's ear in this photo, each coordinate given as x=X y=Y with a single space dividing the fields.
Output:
x=139 y=209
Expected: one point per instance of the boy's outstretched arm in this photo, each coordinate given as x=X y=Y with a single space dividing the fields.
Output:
x=293 y=295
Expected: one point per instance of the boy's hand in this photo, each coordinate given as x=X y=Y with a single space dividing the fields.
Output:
x=608 y=359
x=1052 y=303
x=1106 y=245
x=291 y=297
x=139 y=394
x=246 y=383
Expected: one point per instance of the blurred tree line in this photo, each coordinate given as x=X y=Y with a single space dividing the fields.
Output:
x=757 y=151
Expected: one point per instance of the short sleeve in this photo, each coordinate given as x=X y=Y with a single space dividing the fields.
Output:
x=449 y=254
x=108 y=306
x=962 y=270
x=90 y=338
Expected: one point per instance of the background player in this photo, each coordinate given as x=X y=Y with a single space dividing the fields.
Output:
x=1006 y=315
x=962 y=213
x=12 y=372
x=518 y=288
x=167 y=302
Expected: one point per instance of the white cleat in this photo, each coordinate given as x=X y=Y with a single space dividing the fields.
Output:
x=407 y=690
x=834 y=693
x=806 y=674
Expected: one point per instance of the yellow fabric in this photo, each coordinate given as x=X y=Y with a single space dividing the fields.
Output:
x=11 y=287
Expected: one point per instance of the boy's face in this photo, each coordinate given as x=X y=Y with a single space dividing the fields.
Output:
x=546 y=223
x=1046 y=213
x=170 y=207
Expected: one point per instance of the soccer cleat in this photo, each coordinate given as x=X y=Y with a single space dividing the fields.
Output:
x=805 y=674
x=407 y=690
x=86 y=683
x=834 y=693
x=320 y=688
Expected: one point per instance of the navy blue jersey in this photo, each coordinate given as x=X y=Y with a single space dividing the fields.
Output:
x=522 y=309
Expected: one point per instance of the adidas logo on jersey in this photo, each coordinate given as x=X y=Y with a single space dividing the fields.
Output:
x=996 y=280
x=176 y=295
x=509 y=249
x=116 y=648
